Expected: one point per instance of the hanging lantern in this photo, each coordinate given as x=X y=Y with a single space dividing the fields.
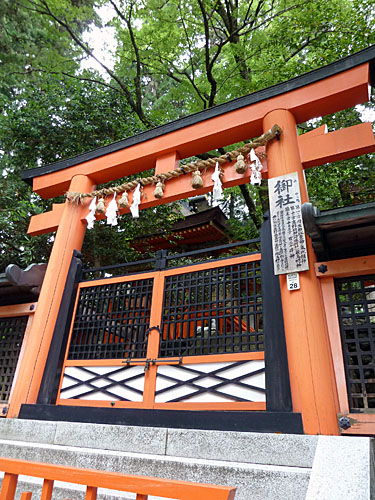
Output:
x=240 y=165
x=197 y=182
x=100 y=207
x=124 y=200
x=158 y=193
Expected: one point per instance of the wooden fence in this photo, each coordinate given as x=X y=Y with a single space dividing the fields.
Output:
x=143 y=486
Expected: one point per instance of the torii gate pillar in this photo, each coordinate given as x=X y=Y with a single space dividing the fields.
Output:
x=310 y=365
x=69 y=236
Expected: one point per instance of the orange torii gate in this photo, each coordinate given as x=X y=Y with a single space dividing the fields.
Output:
x=318 y=93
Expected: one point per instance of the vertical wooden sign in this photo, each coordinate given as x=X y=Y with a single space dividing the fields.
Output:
x=288 y=235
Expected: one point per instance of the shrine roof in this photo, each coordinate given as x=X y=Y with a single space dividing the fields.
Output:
x=196 y=230
x=341 y=233
x=364 y=56
x=20 y=286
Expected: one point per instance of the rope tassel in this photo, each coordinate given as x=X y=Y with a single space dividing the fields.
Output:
x=158 y=193
x=124 y=200
x=100 y=207
x=197 y=182
x=240 y=165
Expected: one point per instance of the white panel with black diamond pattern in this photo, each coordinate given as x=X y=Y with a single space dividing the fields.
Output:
x=241 y=381
x=103 y=383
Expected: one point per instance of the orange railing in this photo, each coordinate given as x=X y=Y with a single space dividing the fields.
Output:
x=94 y=479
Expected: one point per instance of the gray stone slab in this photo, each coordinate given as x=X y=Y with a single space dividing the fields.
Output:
x=112 y=437
x=36 y=431
x=254 y=482
x=270 y=449
x=341 y=469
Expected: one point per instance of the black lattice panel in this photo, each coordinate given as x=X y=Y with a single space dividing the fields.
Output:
x=215 y=311
x=356 y=309
x=11 y=336
x=111 y=321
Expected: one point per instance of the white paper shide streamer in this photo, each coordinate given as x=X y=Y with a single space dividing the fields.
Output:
x=134 y=207
x=217 y=193
x=91 y=217
x=256 y=167
x=111 y=212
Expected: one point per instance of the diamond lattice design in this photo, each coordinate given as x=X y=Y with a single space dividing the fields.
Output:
x=103 y=383
x=211 y=382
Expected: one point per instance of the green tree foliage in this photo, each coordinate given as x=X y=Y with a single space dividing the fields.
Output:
x=171 y=58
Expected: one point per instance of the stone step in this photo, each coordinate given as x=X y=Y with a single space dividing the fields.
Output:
x=261 y=466
x=254 y=481
x=247 y=447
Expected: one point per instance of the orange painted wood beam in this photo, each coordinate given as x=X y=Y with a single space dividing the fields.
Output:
x=154 y=339
x=175 y=189
x=346 y=267
x=26 y=495
x=335 y=146
x=316 y=148
x=167 y=162
x=317 y=99
x=8 y=486
x=361 y=424
x=69 y=237
x=311 y=371
x=185 y=360
x=145 y=485
x=18 y=310
x=46 y=222
x=47 y=489
x=330 y=307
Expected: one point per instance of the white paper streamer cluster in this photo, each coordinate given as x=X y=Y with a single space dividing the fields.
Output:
x=217 y=193
x=111 y=212
x=256 y=167
x=134 y=207
x=112 y=209
x=91 y=218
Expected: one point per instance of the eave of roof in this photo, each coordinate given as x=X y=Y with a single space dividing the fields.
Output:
x=210 y=222
x=364 y=56
x=342 y=232
x=207 y=233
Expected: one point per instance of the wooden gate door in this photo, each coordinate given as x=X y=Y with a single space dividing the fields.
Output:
x=183 y=338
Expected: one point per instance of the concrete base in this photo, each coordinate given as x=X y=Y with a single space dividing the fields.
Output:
x=261 y=466
x=343 y=468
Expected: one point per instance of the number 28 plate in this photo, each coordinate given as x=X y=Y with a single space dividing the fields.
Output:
x=292 y=280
